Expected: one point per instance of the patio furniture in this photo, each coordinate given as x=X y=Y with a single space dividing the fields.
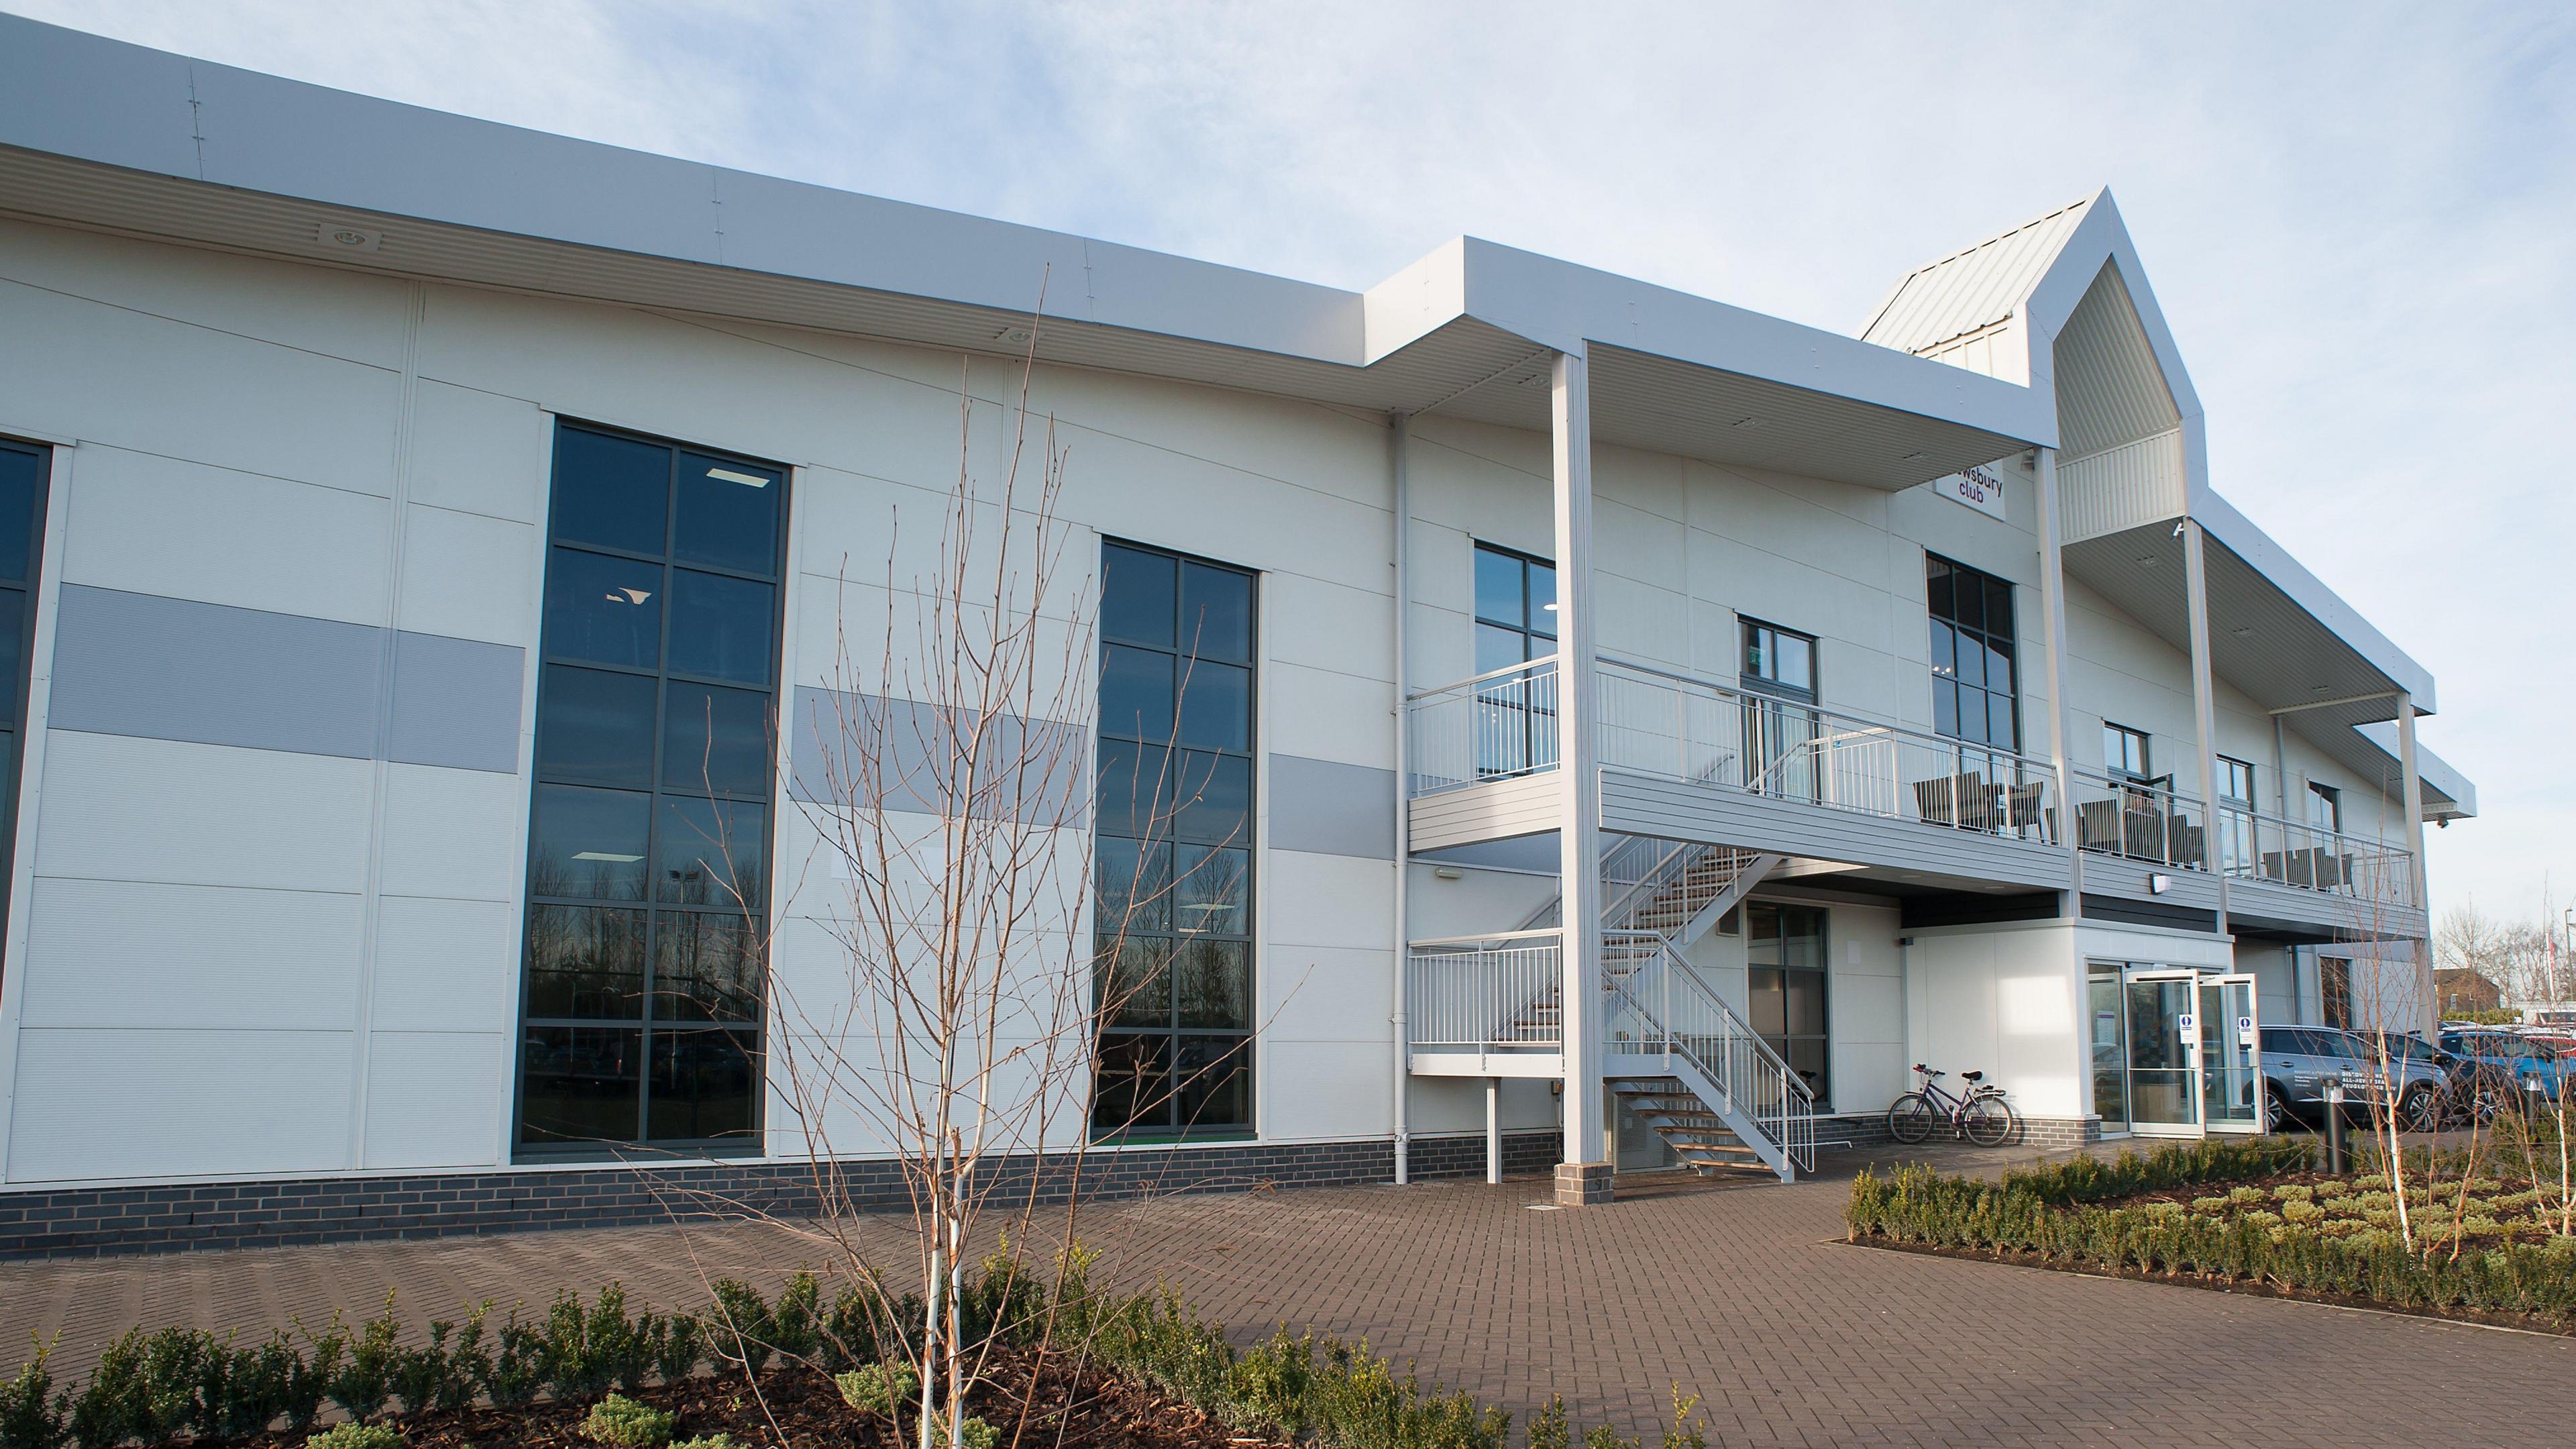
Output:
x=2023 y=810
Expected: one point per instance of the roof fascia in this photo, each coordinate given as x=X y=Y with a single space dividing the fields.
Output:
x=2222 y=522
x=1562 y=305
x=68 y=93
x=2438 y=774
x=2100 y=239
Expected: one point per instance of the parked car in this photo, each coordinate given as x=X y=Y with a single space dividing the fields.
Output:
x=2507 y=1059
x=2298 y=1061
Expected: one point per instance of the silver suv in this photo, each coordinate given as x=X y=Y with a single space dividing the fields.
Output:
x=2298 y=1060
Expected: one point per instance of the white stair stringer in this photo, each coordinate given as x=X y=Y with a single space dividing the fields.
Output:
x=1660 y=1022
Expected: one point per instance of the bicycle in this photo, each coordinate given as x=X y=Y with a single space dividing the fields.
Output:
x=1982 y=1117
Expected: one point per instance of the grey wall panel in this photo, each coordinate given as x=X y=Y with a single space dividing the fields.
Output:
x=150 y=667
x=1040 y=770
x=1331 y=809
x=173 y=669
x=456 y=703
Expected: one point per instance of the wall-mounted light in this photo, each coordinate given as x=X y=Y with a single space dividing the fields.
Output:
x=2159 y=884
x=341 y=237
x=1448 y=872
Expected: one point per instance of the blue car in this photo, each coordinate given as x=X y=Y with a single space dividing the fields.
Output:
x=2507 y=1061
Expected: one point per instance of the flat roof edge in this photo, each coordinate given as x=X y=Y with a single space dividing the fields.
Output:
x=2284 y=572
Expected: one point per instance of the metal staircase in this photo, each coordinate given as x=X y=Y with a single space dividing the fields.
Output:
x=1696 y=1072
x=1677 y=891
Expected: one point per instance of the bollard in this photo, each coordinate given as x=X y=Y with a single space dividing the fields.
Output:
x=2334 y=1126
x=2537 y=1102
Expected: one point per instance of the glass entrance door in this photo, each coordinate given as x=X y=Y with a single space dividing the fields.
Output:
x=2231 y=1086
x=2164 y=1053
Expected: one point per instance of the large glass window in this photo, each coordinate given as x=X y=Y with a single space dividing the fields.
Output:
x=24 y=470
x=2236 y=816
x=1779 y=678
x=2124 y=752
x=1975 y=690
x=1784 y=948
x=1173 y=852
x=2325 y=807
x=648 y=838
x=1515 y=607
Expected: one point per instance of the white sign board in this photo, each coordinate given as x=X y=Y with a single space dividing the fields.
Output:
x=1979 y=488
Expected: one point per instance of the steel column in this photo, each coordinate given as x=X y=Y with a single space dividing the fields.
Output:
x=2204 y=704
x=2421 y=898
x=1398 y=446
x=1583 y=1174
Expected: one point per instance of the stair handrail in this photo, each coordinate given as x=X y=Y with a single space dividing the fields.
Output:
x=1761 y=1084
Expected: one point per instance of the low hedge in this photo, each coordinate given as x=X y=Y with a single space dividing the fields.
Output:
x=2053 y=1213
x=180 y=1385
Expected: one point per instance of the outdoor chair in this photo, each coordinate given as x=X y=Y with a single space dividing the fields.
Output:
x=2098 y=824
x=2023 y=810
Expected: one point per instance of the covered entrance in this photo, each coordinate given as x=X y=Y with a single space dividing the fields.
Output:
x=2173 y=1050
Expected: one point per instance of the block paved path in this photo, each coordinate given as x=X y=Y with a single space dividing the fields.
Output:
x=1744 y=1294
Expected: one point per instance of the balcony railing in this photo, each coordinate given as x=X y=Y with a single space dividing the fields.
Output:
x=1486 y=993
x=1497 y=725
x=2253 y=846
x=2143 y=820
x=1663 y=723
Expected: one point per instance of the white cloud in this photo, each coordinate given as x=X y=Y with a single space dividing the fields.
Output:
x=2361 y=221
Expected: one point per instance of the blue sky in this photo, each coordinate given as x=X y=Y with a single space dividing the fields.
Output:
x=2360 y=220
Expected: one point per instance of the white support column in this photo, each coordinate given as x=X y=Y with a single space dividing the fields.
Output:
x=2061 y=734
x=1399 y=445
x=2061 y=725
x=1584 y=1174
x=2422 y=901
x=2204 y=705
x=1493 y=1129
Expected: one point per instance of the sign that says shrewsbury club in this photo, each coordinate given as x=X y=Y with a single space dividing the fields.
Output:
x=1979 y=488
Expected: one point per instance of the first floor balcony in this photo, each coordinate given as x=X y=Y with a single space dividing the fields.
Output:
x=1689 y=759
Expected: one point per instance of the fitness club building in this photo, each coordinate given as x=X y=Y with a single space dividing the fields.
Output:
x=416 y=534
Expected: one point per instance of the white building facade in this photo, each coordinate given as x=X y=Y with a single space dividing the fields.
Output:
x=390 y=504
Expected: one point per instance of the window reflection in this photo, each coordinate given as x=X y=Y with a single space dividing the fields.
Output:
x=1172 y=865
x=649 y=829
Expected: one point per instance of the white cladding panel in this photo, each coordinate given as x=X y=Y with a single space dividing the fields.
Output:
x=119 y=954
x=154 y=525
x=117 y=808
x=145 y=1103
x=434 y=1099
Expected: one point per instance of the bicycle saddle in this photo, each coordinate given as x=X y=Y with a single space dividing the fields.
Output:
x=1972 y=1076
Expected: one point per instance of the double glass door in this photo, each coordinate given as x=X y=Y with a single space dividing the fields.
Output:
x=2173 y=1051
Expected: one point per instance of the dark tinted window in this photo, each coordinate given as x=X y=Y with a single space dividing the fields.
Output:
x=1172 y=863
x=25 y=472
x=648 y=878
x=1975 y=684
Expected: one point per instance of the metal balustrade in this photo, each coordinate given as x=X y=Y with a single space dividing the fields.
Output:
x=1659 y=722
x=1656 y=1006
x=2141 y=820
x=1497 y=725
x=1486 y=993
x=2253 y=846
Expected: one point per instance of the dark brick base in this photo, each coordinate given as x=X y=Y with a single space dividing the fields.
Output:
x=1859 y=1131
x=97 y=1221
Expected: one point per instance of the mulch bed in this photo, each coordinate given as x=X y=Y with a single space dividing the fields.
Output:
x=1067 y=1405
x=2250 y=1286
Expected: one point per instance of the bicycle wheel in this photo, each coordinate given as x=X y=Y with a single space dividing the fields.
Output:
x=1910 y=1120
x=1987 y=1121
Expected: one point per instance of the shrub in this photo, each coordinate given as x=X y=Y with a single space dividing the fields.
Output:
x=706 y=1441
x=31 y=1417
x=878 y=1388
x=355 y=1436
x=625 y=1424
x=972 y=1433
x=2052 y=1213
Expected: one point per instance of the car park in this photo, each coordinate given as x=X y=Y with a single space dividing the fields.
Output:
x=2509 y=1061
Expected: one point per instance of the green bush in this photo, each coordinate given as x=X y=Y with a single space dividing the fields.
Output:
x=2049 y=1212
x=707 y=1441
x=878 y=1388
x=355 y=1436
x=972 y=1433
x=622 y=1423
x=162 y=1388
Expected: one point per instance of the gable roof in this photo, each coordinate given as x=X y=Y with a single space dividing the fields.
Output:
x=1969 y=291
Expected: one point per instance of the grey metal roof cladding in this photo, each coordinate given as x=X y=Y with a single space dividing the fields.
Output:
x=1969 y=290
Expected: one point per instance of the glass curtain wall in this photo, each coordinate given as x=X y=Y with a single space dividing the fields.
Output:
x=1173 y=847
x=2108 y=1037
x=648 y=842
